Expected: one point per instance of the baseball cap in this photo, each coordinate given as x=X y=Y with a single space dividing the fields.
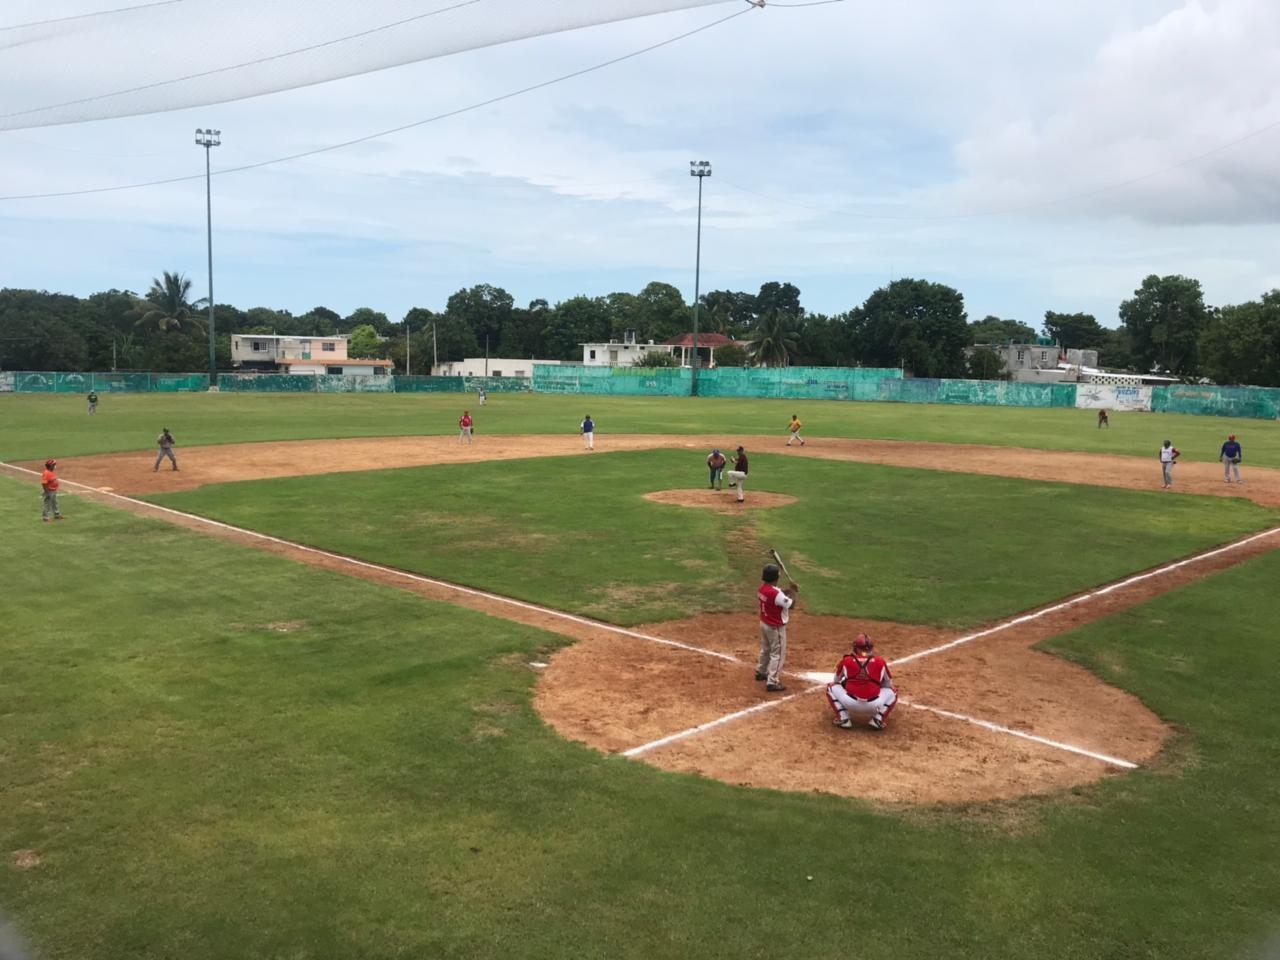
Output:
x=716 y=450
x=1232 y=437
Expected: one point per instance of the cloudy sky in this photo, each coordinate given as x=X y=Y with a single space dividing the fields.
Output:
x=1034 y=155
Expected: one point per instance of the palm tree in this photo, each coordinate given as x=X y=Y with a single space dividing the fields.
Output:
x=166 y=306
x=774 y=340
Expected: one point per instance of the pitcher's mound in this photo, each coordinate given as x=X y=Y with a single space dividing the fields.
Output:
x=724 y=500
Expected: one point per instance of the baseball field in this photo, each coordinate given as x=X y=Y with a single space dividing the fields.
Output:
x=345 y=687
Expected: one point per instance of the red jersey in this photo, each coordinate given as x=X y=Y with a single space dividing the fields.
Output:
x=49 y=480
x=775 y=606
x=465 y=420
x=862 y=678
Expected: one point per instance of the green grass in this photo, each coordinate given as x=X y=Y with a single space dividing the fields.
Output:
x=575 y=533
x=374 y=783
x=38 y=426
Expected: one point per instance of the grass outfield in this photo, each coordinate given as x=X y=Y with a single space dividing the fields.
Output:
x=215 y=752
x=575 y=533
x=38 y=426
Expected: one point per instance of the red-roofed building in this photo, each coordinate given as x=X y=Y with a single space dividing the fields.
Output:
x=708 y=343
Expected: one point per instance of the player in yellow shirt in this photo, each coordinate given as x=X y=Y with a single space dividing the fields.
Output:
x=794 y=429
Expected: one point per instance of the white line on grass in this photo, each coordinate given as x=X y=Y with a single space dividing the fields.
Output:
x=404 y=574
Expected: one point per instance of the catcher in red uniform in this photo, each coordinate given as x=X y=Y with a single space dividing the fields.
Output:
x=862 y=687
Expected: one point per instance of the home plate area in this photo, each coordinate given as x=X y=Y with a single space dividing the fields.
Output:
x=959 y=734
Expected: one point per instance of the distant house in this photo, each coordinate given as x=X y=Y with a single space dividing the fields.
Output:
x=487 y=367
x=1046 y=362
x=263 y=353
x=620 y=353
x=708 y=343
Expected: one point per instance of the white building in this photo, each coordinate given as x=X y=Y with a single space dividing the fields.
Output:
x=487 y=367
x=267 y=353
x=620 y=353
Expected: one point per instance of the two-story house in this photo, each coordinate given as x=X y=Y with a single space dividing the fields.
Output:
x=267 y=353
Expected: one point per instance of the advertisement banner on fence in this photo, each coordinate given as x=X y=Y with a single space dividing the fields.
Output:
x=1096 y=396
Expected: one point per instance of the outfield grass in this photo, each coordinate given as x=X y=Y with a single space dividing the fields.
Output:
x=575 y=533
x=367 y=779
x=38 y=426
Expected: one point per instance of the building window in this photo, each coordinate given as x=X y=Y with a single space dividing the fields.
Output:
x=519 y=373
x=379 y=371
x=593 y=354
x=496 y=373
x=258 y=346
x=1044 y=356
x=1022 y=354
x=328 y=346
x=333 y=371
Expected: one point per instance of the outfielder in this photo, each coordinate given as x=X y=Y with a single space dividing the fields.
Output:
x=93 y=401
x=862 y=686
x=166 y=442
x=775 y=612
x=1168 y=457
x=1231 y=455
x=738 y=475
x=464 y=427
x=794 y=430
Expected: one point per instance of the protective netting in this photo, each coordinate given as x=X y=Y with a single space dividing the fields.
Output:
x=1261 y=403
x=799 y=383
x=303 y=383
x=26 y=382
x=198 y=52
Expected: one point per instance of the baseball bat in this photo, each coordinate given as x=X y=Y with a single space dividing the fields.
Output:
x=781 y=566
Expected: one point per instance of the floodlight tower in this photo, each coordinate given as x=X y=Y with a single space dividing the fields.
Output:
x=700 y=169
x=209 y=139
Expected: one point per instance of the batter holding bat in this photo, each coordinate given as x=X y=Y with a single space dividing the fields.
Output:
x=775 y=612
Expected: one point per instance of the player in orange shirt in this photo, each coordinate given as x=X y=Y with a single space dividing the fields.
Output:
x=49 y=484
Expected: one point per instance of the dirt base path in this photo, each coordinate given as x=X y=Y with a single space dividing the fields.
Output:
x=620 y=690
x=131 y=473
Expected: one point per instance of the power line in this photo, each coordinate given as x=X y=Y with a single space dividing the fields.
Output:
x=393 y=130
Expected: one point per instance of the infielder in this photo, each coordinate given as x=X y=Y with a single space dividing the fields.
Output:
x=49 y=484
x=166 y=442
x=1231 y=455
x=1168 y=457
x=715 y=463
x=862 y=686
x=464 y=427
x=794 y=430
x=775 y=612
x=1103 y=420
x=738 y=475
x=588 y=431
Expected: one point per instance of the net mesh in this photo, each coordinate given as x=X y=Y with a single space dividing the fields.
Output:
x=213 y=51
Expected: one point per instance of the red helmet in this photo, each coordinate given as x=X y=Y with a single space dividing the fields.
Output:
x=863 y=642
x=50 y=464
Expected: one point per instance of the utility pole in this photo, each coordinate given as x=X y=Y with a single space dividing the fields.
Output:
x=209 y=139
x=700 y=169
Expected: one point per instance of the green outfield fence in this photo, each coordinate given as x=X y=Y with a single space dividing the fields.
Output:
x=790 y=383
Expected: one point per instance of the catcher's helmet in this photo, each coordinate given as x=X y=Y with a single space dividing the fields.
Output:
x=863 y=642
x=50 y=464
x=771 y=573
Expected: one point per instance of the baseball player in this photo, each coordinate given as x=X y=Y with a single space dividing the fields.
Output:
x=464 y=427
x=1231 y=455
x=93 y=401
x=715 y=463
x=738 y=475
x=49 y=484
x=166 y=442
x=862 y=686
x=1103 y=420
x=1168 y=457
x=588 y=431
x=482 y=396
x=775 y=612
x=794 y=430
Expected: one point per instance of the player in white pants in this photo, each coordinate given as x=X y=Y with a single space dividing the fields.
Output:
x=862 y=687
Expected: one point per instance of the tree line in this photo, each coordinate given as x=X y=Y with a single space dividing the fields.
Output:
x=917 y=324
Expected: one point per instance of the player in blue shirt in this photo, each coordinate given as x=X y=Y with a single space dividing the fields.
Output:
x=1231 y=455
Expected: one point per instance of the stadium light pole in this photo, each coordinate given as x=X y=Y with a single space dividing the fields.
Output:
x=209 y=139
x=700 y=169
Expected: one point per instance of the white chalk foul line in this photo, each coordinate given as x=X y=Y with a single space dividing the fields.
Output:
x=1005 y=625
x=391 y=571
x=1091 y=595
x=999 y=728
